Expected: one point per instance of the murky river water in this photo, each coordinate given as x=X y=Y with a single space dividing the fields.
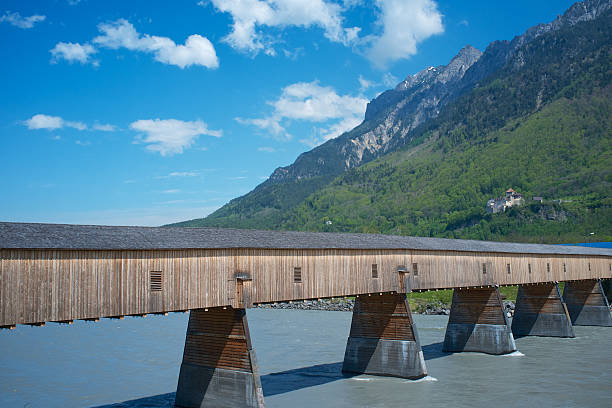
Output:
x=135 y=363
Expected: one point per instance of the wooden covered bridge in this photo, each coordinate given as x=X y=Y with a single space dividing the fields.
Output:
x=61 y=273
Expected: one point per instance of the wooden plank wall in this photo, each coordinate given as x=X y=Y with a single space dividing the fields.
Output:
x=58 y=285
x=459 y=269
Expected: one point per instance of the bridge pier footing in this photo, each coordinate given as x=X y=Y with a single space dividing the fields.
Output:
x=383 y=338
x=540 y=311
x=586 y=303
x=477 y=322
x=219 y=367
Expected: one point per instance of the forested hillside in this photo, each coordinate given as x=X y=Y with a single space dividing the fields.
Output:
x=541 y=124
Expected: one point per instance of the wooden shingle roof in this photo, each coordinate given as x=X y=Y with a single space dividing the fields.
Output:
x=97 y=237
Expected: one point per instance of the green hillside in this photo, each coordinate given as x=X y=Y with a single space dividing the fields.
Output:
x=563 y=152
x=541 y=125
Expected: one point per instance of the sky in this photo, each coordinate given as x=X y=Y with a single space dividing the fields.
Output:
x=148 y=112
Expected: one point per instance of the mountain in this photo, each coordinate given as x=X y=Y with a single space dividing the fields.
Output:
x=432 y=119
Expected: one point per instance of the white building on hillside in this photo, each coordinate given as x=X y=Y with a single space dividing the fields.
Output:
x=500 y=204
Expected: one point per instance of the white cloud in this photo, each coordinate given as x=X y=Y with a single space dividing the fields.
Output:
x=271 y=124
x=401 y=24
x=171 y=191
x=365 y=84
x=171 y=136
x=251 y=16
x=179 y=174
x=48 y=122
x=404 y=24
x=353 y=3
x=104 y=127
x=266 y=149
x=73 y=52
x=17 y=20
x=44 y=122
x=76 y=125
x=311 y=102
x=197 y=50
x=183 y=174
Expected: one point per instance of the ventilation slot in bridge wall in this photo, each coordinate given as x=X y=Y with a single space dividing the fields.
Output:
x=297 y=274
x=155 y=281
x=374 y=271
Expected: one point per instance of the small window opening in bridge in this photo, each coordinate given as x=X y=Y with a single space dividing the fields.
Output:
x=564 y=268
x=529 y=268
x=415 y=269
x=589 y=267
x=155 y=281
x=508 y=267
x=297 y=274
x=374 y=271
x=548 y=267
x=484 y=268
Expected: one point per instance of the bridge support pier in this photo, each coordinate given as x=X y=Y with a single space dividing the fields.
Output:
x=477 y=322
x=383 y=338
x=219 y=368
x=540 y=311
x=586 y=303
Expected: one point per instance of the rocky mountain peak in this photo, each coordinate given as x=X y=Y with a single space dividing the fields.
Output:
x=460 y=63
x=581 y=11
x=455 y=69
x=466 y=56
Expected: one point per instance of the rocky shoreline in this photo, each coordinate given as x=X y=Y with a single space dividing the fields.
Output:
x=346 y=305
x=336 y=305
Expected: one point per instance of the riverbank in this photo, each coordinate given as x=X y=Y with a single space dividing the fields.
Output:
x=347 y=304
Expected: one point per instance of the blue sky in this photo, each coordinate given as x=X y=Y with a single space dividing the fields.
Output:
x=149 y=112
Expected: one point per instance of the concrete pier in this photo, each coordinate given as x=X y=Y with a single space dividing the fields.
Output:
x=383 y=338
x=219 y=368
x=586 y=303
x=477 y=322
x=540 y=311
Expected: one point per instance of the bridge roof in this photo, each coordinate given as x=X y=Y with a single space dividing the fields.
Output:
x=98 y=237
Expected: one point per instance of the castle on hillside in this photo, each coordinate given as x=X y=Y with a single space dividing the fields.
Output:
x=500 y=204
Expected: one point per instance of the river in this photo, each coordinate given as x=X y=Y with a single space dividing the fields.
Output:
x=134 y=363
